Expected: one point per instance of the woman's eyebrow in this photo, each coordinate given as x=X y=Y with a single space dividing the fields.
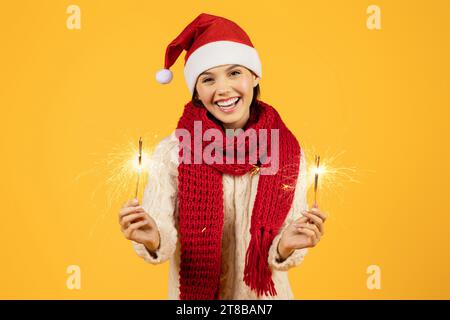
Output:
x=231 y=67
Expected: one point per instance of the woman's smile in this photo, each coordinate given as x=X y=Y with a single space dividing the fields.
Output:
x=228 y=106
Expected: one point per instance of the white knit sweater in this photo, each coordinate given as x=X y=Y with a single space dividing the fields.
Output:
x=161 y=203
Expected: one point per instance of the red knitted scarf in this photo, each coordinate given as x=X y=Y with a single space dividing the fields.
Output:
x=201 y=209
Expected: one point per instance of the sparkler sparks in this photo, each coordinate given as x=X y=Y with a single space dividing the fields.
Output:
x=326 y=168
x=333 y=177
x=124 y=162
x=112 y=175
x=115 y=170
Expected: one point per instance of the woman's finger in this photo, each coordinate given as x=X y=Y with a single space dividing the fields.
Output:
x=130 y=203
x=311 y=234
x=317 y=221
x=126 y=211
x=301 y=220
x=133 y=227
x=130 y=218
x=316 y=230
x=319 y=213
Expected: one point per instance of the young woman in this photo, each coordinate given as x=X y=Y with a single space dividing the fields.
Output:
x=231 y=229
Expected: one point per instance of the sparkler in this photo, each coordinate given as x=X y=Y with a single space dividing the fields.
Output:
x=333 y=176
x=327 y=176
x=316 y=178
x=116 y=170
x=139 y=167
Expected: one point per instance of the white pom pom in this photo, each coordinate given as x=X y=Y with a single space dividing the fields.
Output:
x=164 y=76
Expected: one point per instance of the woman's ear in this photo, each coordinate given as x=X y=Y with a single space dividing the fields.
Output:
x=255 y=80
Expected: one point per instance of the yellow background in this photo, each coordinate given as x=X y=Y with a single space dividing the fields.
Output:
x=69 y=97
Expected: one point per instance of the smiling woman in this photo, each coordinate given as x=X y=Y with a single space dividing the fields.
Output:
x=231 y=230
x=227 y=92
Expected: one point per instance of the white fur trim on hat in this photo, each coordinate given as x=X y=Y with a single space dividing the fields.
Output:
x=218 y=53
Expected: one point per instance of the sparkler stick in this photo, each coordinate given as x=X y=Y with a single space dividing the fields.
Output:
x=139 y=167
x=316 y=179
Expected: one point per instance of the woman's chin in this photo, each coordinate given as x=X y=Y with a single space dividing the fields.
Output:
x=229 y=118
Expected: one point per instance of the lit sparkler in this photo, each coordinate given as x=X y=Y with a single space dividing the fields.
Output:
x=126 y=163
x=333 y=177
x=327 y=168
x=115 y=171
x=139 y=167
x=120 y=167
x=316 y=178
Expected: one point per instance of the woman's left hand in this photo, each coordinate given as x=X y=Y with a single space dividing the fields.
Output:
x=305 y=232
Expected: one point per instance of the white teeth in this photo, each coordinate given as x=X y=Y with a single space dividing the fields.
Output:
x=227 y=103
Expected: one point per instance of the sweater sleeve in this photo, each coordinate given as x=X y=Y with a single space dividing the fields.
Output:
x=160 y=198
x=299 y=204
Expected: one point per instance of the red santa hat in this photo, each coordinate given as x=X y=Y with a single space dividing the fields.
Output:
x=209 y=41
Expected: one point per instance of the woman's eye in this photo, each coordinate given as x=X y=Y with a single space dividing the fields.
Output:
x=236 y=72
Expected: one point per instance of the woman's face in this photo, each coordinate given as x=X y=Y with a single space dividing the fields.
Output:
x=227 y=92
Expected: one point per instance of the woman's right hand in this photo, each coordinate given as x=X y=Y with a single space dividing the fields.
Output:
x=138 y=226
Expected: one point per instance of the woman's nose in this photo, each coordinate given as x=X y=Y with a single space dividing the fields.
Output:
x=223 y=92
x=223 y=86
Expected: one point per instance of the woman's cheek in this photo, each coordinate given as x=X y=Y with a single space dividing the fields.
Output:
x=208 y=94
x=245 y=88
x=205 y=95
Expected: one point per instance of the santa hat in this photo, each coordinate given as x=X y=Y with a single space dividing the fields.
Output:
x=209 y=41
